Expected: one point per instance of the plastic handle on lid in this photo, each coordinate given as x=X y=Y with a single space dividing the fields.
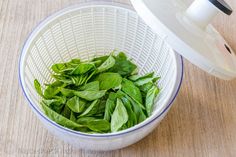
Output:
x=201 y=12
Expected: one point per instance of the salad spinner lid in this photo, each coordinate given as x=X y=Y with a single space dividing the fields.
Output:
x=188 y=31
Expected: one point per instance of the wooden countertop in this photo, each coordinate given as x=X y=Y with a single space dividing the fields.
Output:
x=201 y=123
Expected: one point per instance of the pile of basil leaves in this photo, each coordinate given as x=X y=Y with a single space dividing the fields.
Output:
x=99 y=96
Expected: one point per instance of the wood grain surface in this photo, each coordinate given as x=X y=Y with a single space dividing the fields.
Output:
x=201 y=123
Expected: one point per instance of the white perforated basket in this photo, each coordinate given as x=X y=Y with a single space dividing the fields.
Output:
x=89 y=30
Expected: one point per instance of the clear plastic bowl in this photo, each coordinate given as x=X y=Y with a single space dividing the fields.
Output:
x=94 y=29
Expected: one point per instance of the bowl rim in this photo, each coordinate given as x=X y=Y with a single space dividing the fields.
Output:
x=139 y=126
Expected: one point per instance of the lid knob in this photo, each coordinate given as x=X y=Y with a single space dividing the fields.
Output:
x=202 y=12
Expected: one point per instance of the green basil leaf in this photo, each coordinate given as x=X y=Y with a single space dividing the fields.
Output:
x=68 y=67
x=129 y=88
x=92 y=109
x=66 y=112
x=110 y=106
x=61 y=119
x=38 y=87
x=125 y=126
x=101 y=107
x=48 y=102
x=59 y=68
x=137 y=110
x=90 y=95
x=109 y=80
x=82 y=68
x=97 y=63
x=75 y=61
x=57 y=103
x=63 y=79
x=76 y=105
x=146 y=87
x=156 y=79
x=55 y=84
x=84 y=120
x=51 y=91
x=143 y=81
x=119 y=116
x=122 y=65
x=67 y=92
x=72 y=117
x=132 y=117
x=151 y=95
x=92 y=86
x=137 y=77
x=60 y=99
x=90 y=76
x=98 y=125
x=99 y=60
x=110 y=62
x=79 y=80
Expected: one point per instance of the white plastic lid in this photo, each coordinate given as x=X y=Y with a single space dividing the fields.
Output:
x=188 y=31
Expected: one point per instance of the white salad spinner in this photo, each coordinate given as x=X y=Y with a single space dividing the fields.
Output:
x=188 y=31
x=150 y=39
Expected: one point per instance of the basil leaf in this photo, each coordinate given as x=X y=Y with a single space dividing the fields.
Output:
x=90 y=95
x=74 y=61
x=110 y=106
x=57 y=68
x=66 y=112
x=91 y=86
x=79 y=80
x=68 y=67
x=137 y=110
x=51 y=91
x=130 y=89
x=58 y=104
x=143 y=81
x=101 y=107
x=38 y=87
x=82 y=68
x=92 y=109
x=55 y=84
x=67 y=92
x=110 y=62
x=100 y=59
x=122 y=65
x=132 y=117
x=119 y=116
x=61 y=68
x=151 y=94
x=146 y=87
x=60 y=119
x=72 y=117
x=109 y=80
x=76 y=105
x=63 y=79
x=98 y=125
x=138 y=77
x=90 y=76
x=49 y=102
